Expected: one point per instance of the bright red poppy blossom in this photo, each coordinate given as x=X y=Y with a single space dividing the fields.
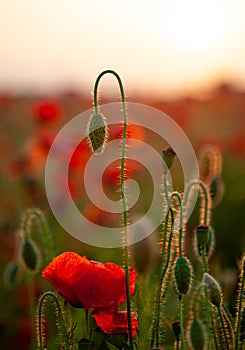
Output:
x=115 y=322
x=89 y=284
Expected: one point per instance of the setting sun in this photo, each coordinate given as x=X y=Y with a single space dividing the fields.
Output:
x=193 y=25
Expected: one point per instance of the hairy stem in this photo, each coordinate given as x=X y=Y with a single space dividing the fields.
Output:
x=123 y=191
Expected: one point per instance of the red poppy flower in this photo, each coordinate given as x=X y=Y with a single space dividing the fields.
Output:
x=116 y=322
x=89 y=284
x=46 y=110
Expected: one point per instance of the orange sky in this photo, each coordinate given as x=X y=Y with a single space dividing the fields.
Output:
x=168 y=46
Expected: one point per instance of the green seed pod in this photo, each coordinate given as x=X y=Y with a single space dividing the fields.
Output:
x=197 y=335
x=214 y=291
x=202 y=235
x=182 y=272
x=97 y=132
x=168 y=157
x=209 y=248
x=30 y=255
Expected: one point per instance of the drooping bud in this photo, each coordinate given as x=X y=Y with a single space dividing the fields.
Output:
x=202 y=235
x=168 y=157
x=214 y=291
x=182 y=272
x=197 y=335
x=12 y=274
x=97 y=132
x=30 y=255
x=216 y=189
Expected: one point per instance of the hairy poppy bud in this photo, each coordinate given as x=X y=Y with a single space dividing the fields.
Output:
x=197 y=335
x=202 y=234
x=168 y=157
x=30 y=255
x=182 y=272
x=176 y=329
x=214 y=291
x=97 y=132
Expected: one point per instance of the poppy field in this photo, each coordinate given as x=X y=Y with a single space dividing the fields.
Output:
x=180 y=287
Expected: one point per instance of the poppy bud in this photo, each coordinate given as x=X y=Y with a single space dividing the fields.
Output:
x=202 y=234
x=182 y=272
x=176 y=329
x=214 y=291
x=12 y=274
x=30 y=255
x=216 y=189
x=168 y=156
x=84 y=344
x=197 y=335
x=97 y=132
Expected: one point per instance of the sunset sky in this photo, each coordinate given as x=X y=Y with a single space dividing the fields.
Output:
x=167 y=47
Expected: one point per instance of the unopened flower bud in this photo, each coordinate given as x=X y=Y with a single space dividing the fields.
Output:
x=216 y=189
x=97 y=132
x=168 y=157
x=30 y=255
x=12 y=274
x=197 y=335
x=214 y=291
x=182 y=272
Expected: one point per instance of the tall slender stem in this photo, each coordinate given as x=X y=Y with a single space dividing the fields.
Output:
x=240 y=303
x=223 y=328
x=123 y=191
x=181 y=324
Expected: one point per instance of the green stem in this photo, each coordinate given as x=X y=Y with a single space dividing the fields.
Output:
x=163 y=272
x=123 y=192
x=239 y=311
x=31 y=297
x=177 y=194
x=181 y=324
x=223 y=327
x=210 y=311
x=40 y=331
x=204 y=260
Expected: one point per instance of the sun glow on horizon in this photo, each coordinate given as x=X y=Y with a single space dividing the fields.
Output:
x=195 y=26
